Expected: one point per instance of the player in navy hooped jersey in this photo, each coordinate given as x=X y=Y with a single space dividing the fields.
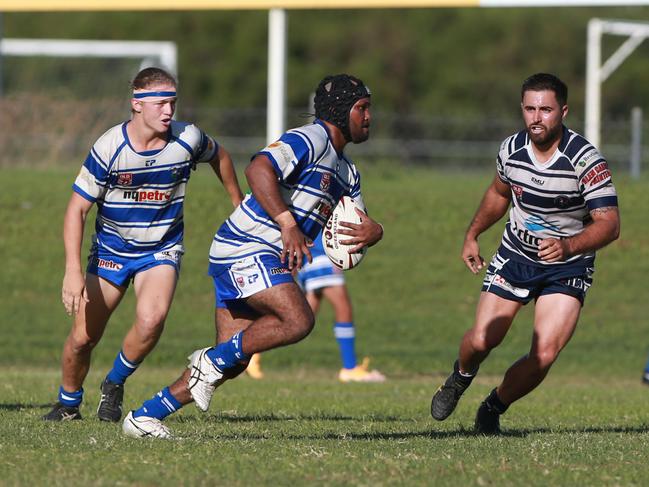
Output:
x=563 y=208
x=295 y=183
x=136 y=173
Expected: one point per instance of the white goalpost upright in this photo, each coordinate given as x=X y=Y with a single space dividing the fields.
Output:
x=597 y=73
x=162 y=53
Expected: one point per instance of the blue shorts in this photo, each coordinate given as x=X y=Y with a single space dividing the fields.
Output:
x=319 y=273
x=247 y=277
x=121 y=270
x=517 y=281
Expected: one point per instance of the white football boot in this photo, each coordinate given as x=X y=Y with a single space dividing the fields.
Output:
x=203 y=376
x=145 y=427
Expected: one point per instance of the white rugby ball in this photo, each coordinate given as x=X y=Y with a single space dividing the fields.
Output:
x=339 y=253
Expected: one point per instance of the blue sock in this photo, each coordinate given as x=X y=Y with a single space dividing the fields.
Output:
x=122 y=369
x=70 y=399
x=159 y=406
x=346 y=337
x=228 y=354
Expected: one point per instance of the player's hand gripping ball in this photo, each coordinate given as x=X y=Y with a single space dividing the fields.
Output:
x=337 y=252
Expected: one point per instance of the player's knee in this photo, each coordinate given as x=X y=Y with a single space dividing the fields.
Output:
x=300 y=325
x=544 y=357
x=483 y=342
x=149 y=325
x=81 y=343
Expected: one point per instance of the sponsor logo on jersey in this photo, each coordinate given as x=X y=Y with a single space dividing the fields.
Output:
x=172 y=255
x=538 y=181
x=240 y=281
x=150 y=195
x=279 y=270
x=518 y=191
x=535 y=223
x=596 y=175
x=109 y=265
x=324 y=209
x=525 y=236
x=253 y=278
x=588 y=158
x=283 y=151
x=125 y=179
x=149 y=162
x=325 y=181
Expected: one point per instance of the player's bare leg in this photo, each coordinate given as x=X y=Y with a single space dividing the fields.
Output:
x=555 y=320
x=494 y=316
x=154 y=290
x=87 y=328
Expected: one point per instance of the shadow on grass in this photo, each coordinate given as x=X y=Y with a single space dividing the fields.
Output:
x=429 y=433
x=254 y=418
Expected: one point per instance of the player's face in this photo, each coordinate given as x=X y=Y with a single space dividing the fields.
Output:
x=359 y=120
x=543 y=117
x=157 y=113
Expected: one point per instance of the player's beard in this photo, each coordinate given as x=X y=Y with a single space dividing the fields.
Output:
x=546 y=138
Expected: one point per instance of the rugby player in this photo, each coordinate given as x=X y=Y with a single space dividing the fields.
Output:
x=295 y=183
x=563 y=208
x=136 y=173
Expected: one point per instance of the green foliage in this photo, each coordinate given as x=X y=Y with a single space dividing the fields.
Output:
x=442 y=61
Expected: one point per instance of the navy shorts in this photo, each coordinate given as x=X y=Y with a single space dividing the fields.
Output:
x=517 y=281
x=121 y=270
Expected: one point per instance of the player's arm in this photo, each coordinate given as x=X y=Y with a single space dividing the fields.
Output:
x=604 y=229
x=224 y=170
x=74 y=284
x=262 y=180
x=493 y=206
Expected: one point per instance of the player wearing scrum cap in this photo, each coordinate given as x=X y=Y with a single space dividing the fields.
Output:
x=295 y=182
x=136 y=173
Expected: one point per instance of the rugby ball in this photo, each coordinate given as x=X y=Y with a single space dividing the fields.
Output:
x=345 y=211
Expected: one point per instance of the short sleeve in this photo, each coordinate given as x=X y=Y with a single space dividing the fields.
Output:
x=290 y=152
x=92 y=181
x=595 y=181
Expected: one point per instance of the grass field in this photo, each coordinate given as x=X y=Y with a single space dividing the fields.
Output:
x=587 y=424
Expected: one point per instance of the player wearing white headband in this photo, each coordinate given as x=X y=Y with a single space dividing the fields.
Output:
x=136 y=173
x=295 y=183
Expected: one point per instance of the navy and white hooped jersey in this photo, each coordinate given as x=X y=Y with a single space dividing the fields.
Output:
x=554 y=199
x=312 y=178
x=140 y=195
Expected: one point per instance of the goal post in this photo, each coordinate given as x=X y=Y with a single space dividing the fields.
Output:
x=597 y=72
x=164 y=53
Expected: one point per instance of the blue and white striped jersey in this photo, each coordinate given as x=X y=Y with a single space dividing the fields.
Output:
x=140 y=195
x=553 y=199
x=312 y=178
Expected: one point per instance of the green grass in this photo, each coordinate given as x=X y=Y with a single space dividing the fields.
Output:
x=586 y=425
